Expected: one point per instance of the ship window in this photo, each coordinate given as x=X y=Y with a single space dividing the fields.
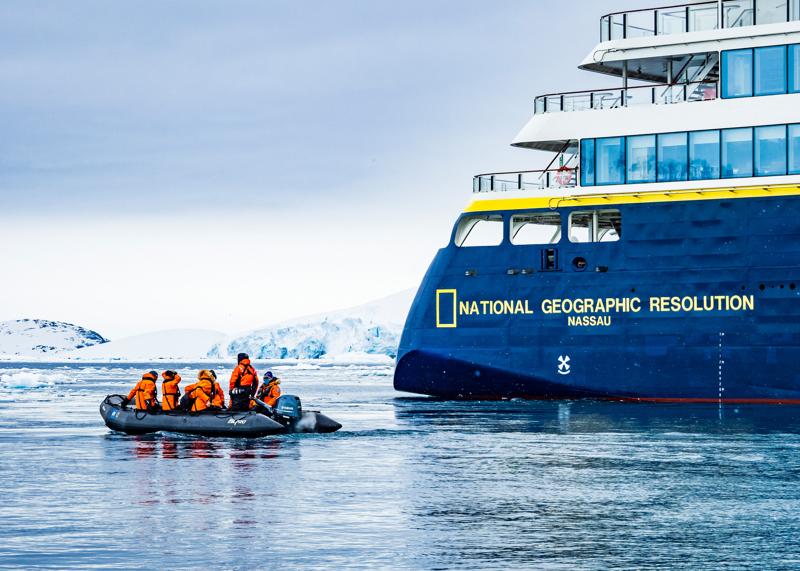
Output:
x=737 y=153
x=737 y=73
x=610 y=160
x=587 y=162
x=770 y=70
x=537 y=229
x=770 y=151
x=794 y=149
x=641 y=157
x=483 y=230
x=794 y=68
x=673 y=156
x=595 y=226
x=704 y=155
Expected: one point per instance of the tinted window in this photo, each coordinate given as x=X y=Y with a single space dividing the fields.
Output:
x=482 y=230
x=794 y=68
x=641 y=157
x=536 y=229
x=794 y=149
x=587 y=162
x=737 y=153
x=704 y=155
x=610 y=160
x=737 y=73
x=770 y=150
x=673 y=157
x=770 y=70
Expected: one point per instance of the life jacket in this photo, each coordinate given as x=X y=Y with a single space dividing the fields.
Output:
x=270 y=393
x=170 y=391
x=244 y=376
x=218 y=398
x=145 y=393
x=202 y=392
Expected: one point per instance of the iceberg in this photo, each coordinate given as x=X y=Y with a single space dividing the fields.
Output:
x=368 y=333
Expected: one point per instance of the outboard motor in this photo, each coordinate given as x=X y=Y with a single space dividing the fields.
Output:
x=289 y=407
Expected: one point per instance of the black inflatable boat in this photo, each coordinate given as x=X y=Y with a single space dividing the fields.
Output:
x=287 y=417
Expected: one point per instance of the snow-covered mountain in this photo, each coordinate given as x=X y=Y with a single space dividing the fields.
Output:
x=367 y=331
x=178 y=345
x=37 y=337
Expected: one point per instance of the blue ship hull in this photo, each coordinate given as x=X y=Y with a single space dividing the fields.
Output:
x=699 y=301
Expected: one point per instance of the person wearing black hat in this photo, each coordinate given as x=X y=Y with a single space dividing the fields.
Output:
x=244 y=383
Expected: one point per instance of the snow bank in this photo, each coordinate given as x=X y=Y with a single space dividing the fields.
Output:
x=366 y=334
x=38 y=337
x=178 y=345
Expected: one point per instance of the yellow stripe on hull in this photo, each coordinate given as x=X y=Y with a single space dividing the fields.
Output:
x=555 y=202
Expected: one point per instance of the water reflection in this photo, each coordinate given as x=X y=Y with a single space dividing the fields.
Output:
x=595 y=417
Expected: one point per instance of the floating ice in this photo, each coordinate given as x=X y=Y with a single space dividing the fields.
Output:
x=32 y=380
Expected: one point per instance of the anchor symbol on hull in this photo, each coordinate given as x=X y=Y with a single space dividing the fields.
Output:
x=564 y=368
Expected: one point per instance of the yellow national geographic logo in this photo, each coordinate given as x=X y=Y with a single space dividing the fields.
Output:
x=446 y=308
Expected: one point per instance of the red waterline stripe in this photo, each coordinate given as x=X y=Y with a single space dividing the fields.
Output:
x=705 y=400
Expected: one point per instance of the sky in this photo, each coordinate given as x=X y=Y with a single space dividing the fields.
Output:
x=227 y=165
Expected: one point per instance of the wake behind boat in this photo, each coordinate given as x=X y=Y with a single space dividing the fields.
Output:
x=288 y=418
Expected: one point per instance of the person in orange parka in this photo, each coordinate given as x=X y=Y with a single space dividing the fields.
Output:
x=218 y=400
x=145 y=394
x=270 y=391
x=201 y=393
x=170 y=391
x=244 y=382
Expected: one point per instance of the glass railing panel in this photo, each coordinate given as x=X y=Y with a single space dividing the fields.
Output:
x=738 y=13
x=539 y=105
x=526 y=180
x=553 y=104
x=578 y=102
x=607 y=99
x=794 y=10
x=617 y=26
x=668 y=94
x=705 y=91
x=639 y=96
x=771 y=11
x=671 y=21
x=640 y=24
x=605 y=31
x=703 y=18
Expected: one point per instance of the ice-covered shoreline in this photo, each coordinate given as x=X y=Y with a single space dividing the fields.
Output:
x=368 y=334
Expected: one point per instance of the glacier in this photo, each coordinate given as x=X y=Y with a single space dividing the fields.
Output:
x=366 y=332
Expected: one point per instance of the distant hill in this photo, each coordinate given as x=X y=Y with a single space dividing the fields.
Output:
x=371 y=330
x=178 y=344
x=38 y=337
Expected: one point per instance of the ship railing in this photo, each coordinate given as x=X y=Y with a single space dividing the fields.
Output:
x=525 y=180
x=662 y=94
x=701 y=17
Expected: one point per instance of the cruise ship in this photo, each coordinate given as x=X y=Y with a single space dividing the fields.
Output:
x=657 y=257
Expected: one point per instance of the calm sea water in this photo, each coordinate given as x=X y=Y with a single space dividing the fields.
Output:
x=408 y=483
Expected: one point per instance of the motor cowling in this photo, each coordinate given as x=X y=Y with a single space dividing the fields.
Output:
x=289 y=407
